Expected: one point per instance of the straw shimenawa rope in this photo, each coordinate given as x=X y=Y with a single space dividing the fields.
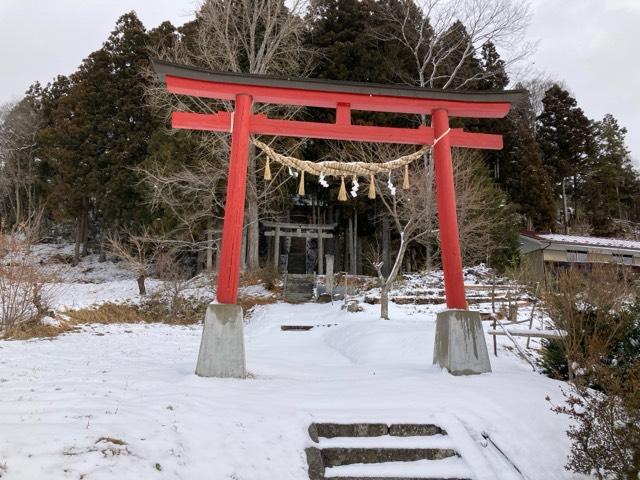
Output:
x=340 y=169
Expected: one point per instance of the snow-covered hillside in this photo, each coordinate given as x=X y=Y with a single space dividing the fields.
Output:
x=121 y=401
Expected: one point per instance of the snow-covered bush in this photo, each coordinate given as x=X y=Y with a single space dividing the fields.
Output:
x=599 y=311
x=605 y=431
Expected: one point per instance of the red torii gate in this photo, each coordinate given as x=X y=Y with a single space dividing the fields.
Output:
x=246 y=89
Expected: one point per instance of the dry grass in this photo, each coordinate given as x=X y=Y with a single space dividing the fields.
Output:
x=247 y=303
x=188 y=312
x=35 y=329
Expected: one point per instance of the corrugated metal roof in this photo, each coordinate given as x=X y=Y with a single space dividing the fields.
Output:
x=589 y=241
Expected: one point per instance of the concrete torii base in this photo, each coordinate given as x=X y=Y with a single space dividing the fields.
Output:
x=460 y=346
x=222 y=345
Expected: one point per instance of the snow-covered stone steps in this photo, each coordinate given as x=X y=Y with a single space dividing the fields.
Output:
x=377 y=451
x=298 y=288
x=452 y=468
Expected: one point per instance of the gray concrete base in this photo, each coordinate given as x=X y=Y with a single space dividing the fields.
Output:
x=460 y=346
x=222 y=345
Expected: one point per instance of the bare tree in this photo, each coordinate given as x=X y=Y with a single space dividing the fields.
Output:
x=412 y=212
x=138 y=252
x=252 y=36
x=25 y=290
x=590 y=308
x=19 y=126
x=444 y=35
x=482 y=208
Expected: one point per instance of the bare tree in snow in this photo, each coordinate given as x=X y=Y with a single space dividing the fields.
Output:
x=250 y=36
x=444 y=35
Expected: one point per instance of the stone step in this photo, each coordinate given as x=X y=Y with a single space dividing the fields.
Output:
x=380 y=451
x=300 y=287
x=387 y=441
x=334 y=456
x=330 y=430
x=453 y=468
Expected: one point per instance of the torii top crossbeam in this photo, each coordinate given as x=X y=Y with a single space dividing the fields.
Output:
x=246 y=89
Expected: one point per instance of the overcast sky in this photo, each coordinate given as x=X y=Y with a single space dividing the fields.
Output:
x=590 y=44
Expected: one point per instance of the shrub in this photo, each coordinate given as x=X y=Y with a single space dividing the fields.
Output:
x=599 y=311
x=595 y=311
x=605 y=432
x=554 y=360
x=24 y=292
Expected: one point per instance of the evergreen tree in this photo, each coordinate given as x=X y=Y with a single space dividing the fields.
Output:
x=565 y=138
x=97 y=131
x=348 y=34
x=518 y=167
x=610 y=187
x=130 y=126
x=495 y=77
x=520 y=170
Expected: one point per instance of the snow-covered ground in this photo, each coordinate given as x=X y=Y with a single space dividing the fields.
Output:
x=122 y=401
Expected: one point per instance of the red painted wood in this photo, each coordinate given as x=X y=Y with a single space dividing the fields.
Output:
x=291 y=128
x=447 y=216
x=229 y=270
x=343 y=114
x=216 y=122
x=323 y=99
x=221 y=122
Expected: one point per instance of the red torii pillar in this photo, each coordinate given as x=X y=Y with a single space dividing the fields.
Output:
x=246 y=90
x=447 y=215
x=229 y=270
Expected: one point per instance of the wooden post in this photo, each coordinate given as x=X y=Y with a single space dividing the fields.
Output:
x=276 y=249
x=533 y=309
x=229 y=273
x=355 y=242
x=329 y=276
x=320 y=251
x=447 y=216
x=495 y=341
x=493 y=293
x=349 y=265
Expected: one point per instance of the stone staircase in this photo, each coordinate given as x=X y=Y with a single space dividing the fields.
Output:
x=298 y=288
x=377 y=451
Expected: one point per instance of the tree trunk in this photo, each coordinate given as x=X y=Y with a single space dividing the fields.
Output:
x=385 y=285
x=253 y=227
x=243 y=251
x=76 y=247
x=384 y=302
x=386 y=241
x=18 y=205
x=210 y=250
x=349 y=253
x=564 y=208
x=142 y=289
x=85 y=233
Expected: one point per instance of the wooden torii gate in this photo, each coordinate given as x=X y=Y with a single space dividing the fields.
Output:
x=279 y=230
x=344 y=97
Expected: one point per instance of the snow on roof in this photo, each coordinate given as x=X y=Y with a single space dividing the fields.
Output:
x=591 y=241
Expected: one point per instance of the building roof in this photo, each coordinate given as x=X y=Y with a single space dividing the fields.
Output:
x=577 y=240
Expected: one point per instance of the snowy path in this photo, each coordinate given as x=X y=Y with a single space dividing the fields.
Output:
x=67 y=404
